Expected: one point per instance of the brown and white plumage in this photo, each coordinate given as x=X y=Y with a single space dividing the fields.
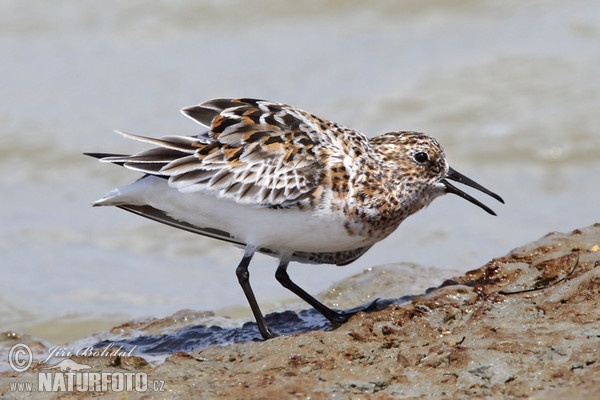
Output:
x=255 y=153
x=276 y=179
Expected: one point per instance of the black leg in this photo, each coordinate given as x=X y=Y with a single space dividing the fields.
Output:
x=243 y=277
x=334 y=316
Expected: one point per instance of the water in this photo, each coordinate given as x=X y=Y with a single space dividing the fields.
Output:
x=511 y=90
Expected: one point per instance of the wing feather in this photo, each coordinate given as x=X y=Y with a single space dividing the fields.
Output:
x=255 y=152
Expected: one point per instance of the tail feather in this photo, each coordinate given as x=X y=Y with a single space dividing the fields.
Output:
x=101 y=156
x=104 y=155
x=184 y=144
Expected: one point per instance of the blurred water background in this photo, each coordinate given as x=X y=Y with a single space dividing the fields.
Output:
x=511 y=89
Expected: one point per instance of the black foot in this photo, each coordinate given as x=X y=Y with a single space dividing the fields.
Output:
x=266 y=333
x=341 y=317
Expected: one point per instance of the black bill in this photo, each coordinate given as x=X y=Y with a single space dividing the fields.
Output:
x=460 y=178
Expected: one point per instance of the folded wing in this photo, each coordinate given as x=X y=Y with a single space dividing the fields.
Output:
x=255 y=152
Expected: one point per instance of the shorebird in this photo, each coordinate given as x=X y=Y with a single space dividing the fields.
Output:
x=272 y=178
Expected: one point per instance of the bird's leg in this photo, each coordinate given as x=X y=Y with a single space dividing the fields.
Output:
x=243 y=277
x=334 y=316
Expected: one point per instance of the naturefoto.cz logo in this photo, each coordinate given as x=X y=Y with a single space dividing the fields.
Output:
x=71 y=376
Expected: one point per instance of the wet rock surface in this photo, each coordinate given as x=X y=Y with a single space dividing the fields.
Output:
x=525 y=325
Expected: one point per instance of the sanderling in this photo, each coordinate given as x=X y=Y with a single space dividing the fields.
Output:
x=275 y=179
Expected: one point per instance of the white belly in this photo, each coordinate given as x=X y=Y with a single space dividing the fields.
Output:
x=283 y=230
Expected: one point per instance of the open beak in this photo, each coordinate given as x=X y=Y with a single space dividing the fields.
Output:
x=458 y=177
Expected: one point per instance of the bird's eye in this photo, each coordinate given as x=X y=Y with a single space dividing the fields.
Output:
x=421 y=157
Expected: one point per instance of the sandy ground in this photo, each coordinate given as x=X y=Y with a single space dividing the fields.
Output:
x=525 y=325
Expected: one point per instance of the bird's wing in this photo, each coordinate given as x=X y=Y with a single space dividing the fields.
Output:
x=254 y=152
